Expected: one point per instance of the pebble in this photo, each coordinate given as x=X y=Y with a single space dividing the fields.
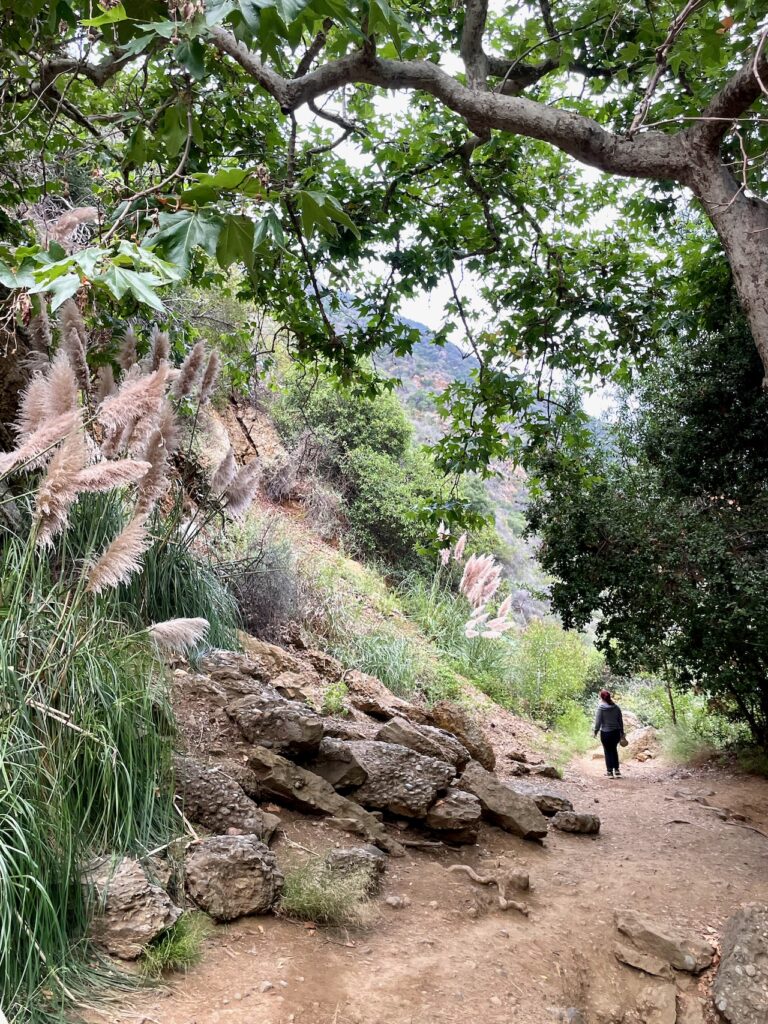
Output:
x=750 y=970
x=283 y=984
x=504 y=933
x=398 y=902
x=495 y=1001
x=265 y=986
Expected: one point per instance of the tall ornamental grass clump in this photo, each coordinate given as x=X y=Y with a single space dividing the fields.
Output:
x=85 y=723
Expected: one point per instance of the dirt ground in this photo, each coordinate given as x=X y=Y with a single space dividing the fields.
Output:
x=448 y=957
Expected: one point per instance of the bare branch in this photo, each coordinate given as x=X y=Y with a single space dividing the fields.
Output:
x=314 y=49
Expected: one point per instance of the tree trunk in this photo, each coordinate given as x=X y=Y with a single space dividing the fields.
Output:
x=741 y=221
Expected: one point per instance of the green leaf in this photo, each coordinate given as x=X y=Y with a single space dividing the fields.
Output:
x=320 y=211
x=268 y=226
x=61 y=289
x=140 y=284
x=180 y=233
x=235 y=243
x=191 y=54
x=110 y=16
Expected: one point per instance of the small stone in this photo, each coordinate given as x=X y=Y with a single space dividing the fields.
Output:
x=265 y=986
x=750 y=970
x=495 y=1001
x=283 y=984
x=504 y=933
x=398 y=902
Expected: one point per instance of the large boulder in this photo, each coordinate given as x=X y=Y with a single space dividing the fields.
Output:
x=740 y=990
x=130 y=911
x=425 y=739
x=581 y=824
x=336 y=763
x=214 y=799
x=454 y=719
x=550 y=803
x=370 y=695
x=502 y=805
x=282 y=725
x=306 y=791
x=455 y=816
x=232 y=876
x=348 y=860
x=683 y=950
x=398 y=779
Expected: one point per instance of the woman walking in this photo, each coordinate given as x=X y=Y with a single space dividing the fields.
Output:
x=610 y=725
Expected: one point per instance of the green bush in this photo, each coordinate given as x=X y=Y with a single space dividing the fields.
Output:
x=572 y=735
x=314 y=892
x=552 y=669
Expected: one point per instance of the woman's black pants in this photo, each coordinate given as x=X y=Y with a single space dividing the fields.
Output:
x=610 y=741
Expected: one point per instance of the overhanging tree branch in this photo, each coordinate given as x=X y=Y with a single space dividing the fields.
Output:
x=651 y=155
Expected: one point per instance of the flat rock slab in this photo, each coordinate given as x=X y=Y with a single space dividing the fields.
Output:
x=302 y=789
x=425 y=739
x=455 y=817
x=684 y=951
x=454 y=719
x=368 y=694
x=282 y=725
x=398 y=779
x=502 y=805
x=581 y=824
x=643 y=962
x=212 y=798
x=232 y=876
x=740 y=991
x=130 y=911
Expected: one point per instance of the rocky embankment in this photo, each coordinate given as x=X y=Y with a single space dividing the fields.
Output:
x=252 y=746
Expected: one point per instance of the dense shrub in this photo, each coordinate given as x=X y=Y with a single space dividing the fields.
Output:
x=552 y=669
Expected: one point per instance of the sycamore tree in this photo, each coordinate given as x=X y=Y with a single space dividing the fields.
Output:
x=377 y=148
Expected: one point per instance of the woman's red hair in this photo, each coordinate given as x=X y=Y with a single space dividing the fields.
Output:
x=606 y=696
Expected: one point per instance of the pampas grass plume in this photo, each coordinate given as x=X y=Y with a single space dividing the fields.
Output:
x=74 y=341
x=39 y=441
x=210 y=377
x=241 y=491
x=225 y=473
x=175 y=636
x=161 y=348
x=105 y=383
x=122 y=559
x=62 y=386
x=127 y=355
x=34 y=405
x=104 y=476
x=59 y=490
x=137 y=398
x=190 y=372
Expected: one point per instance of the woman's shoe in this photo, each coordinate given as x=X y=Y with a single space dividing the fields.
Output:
x=609 y=775
x=617 y=774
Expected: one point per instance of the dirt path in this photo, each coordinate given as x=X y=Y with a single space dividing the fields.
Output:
x=435 y=962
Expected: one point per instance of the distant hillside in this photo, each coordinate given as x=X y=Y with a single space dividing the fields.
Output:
x=427 y=371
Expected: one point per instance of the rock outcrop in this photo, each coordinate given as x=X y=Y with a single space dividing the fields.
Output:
x=502 y=805
x=398 y=779
x=455 y=817
x=212 y=798
x=130 y=911
x=425 y=739
x=285 y=726
x=454 y=719
x=296 y=787
x=232 y=876
x=682 y=950
x=740 y=990
x=336 y=763
x=368 y=694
